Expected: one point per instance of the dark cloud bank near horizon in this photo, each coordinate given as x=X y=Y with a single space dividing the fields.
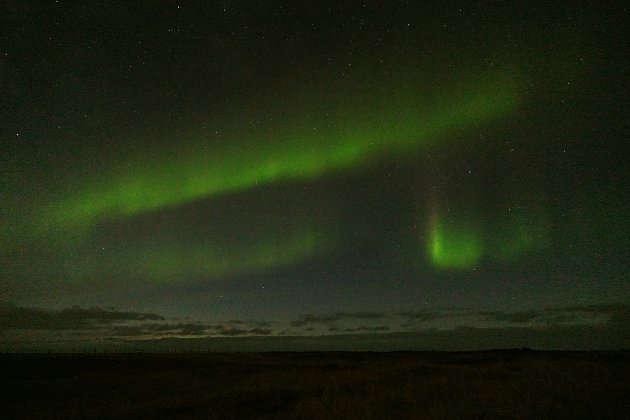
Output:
x=588 y=327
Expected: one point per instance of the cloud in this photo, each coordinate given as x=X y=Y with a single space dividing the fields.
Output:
x=602 y=309
x=612 y=315
x=84 y=325
x=452 y=318
x=620 y=319
x=511 y=317
x=161 y=330
x=618 y=314
x=78 y=323
x=331 y=318
x=191 y=329
x=260 y=324
x=422 y=315
x=75 y=318
x=128 y=331
x=232 y=332
x=370 y=329
x=154 y=330
x=261 y=331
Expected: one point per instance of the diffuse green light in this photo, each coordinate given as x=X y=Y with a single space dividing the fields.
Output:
x=454 y=243
x=216 y=261
x=459 y=242
x=172 y=262
x=520 y=232
x=352 y=136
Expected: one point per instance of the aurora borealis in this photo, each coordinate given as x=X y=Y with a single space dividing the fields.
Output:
x=329 y=143
x=264 y=161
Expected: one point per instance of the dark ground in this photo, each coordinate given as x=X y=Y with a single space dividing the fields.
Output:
x=490 y=384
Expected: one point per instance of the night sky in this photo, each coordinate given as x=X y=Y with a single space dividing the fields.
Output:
x=334 y=168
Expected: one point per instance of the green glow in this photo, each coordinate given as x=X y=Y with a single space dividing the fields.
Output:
x=454 y=243
x=349 y=136
x=171 y=262
x=457 y=242
x=521 y=232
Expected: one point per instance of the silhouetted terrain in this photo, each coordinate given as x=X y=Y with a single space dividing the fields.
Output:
x=490 y=384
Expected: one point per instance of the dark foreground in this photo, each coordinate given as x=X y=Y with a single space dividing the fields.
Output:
x=491 y=384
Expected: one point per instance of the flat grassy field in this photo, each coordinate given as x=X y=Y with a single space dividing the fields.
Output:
x=424 y=385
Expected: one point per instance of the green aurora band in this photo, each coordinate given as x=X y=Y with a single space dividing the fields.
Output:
x=349 y=136
x=171 y=263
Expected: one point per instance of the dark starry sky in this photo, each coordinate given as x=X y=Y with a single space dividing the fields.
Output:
x=235 y=168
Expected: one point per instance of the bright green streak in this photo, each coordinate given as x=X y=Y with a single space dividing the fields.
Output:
x=455 y=244
x=352 y=136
